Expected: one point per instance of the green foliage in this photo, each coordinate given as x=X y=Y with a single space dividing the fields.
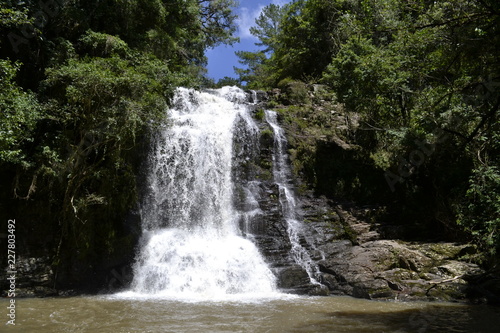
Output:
x=421 y=78
x=99 y=110
x=260 y=114
x=296 y=92
x=110 y=92
x=19 y=114
x=371 y=81
x=305 y=45
x=298 y=41
x=258 y=72
x=255 y=73
x=80 y=92
x=227 y=81
x=97 y=44
x=267 y=135
x=268 y=28
x=217 y=21
x=11 y=18
x=480 y=213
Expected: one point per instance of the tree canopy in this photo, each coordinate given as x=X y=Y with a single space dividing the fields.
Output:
x=423 y=77
x=82 y=83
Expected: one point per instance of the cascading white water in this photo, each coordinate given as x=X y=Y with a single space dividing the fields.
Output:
x=282 y=177
x=192 y=247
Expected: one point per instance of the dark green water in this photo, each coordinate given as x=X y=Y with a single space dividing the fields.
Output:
x=278 y=314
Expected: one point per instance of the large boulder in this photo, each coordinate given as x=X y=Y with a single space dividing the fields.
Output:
x=390 y=269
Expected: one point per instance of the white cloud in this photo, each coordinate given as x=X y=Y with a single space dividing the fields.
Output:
x=280 y=2
x=246 y=20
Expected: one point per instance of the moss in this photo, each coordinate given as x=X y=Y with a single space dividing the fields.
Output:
x=272 y=104
x=266 y=164
x=323 y=93
x=267 y=134
x=446 y=250
x=340 y=227
x=295 y=92
x=325 y=155
x=259 y=114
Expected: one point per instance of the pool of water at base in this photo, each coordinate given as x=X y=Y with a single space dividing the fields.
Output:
x=277 y=313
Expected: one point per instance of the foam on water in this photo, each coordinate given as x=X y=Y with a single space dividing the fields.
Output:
x=192 y=248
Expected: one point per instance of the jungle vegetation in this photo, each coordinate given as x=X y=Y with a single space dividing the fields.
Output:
x=82 y=83
x=424 y=79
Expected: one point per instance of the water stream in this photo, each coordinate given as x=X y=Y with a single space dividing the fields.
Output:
x=192 y=247
x=283 y=177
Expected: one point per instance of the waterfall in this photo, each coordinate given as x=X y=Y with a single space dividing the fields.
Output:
x=191 y=245
x=282 y=177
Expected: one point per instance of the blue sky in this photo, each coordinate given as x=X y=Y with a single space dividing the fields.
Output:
x=222 y=59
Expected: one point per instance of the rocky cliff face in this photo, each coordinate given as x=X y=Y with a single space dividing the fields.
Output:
x=357 y=252
x=259 y=204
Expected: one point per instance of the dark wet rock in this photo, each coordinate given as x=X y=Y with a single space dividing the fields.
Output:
x=257 y=201
x=292 y=277
x=485 y=287
x=319 y=290
x=258 y=96
x=33 y=278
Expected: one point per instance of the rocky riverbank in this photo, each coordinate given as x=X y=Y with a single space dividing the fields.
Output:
x=368 y=265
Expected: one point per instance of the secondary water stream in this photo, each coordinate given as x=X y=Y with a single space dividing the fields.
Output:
x=282 y=177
